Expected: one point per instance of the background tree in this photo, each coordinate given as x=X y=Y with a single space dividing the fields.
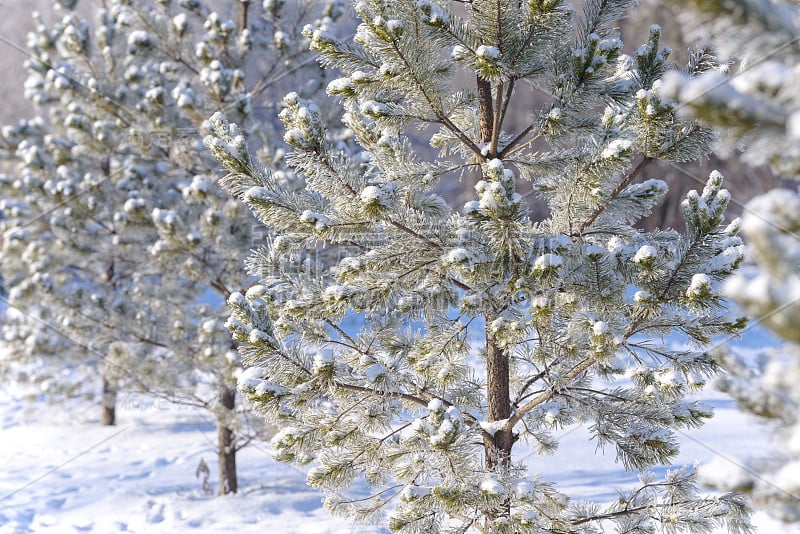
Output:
x=752 y=87
x=754 y=101
x=394 y=339
x=743 y=181
x=118 y=248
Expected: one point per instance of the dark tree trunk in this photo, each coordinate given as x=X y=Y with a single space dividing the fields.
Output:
x=486 y=111
x=109 y=404
x=228 y=483
x=497 y=447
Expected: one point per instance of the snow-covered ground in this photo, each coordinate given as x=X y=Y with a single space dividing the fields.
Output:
x=62 y=475
x=61 y=472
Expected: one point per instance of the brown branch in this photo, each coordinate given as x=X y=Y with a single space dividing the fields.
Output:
x=544 y=397
x=405 y=396
x=486 y=110
x=627 y=510
x=343 y=334
x=509 y=91
x=406 y=229
x=509 y=148
x=436 y=109
x=625 y=182
x=498 y=119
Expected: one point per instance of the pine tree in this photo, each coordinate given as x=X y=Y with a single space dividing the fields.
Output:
x=752 y=86
x=397 y=340
x=766 y=384
x=118 y=247
x=754 y=102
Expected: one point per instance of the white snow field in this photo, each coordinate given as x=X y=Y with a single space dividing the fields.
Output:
x=64 y=473
x=67 y=476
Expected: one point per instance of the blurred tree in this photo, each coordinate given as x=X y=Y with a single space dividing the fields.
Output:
x=117 y=246
x=754 y=101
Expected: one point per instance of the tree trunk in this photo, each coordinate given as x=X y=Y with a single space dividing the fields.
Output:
x=498 y=447
x=486 y=113
x=109 y=404
x=228 y=482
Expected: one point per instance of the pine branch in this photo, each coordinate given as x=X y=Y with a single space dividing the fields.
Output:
x=519 y=413
x=627 y=180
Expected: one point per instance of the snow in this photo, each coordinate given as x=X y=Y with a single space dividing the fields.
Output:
x=492 y=486
x=393 y=26
x=644 y=253
x=133 y=204
x=294 y=136
x=492 y=427
x=281 y=39
x=456 y=256
x=788 y=477
x=495 y=164
x=165 y=217
x=414 y=492
x=371 y=195
x=359 y=76
x=322 y=360
x=319 y=220
x=523 y=488
x=435 y=405
x=156 y=94
x=793 y=125
x=615 y=148
x=139 y=38
x=374 y=109
x=459 y=53
x=600 y=328
x=651 y=186
x=546 y=261
x=339 y=293
x=180 y=22
x=668 y=377
x=374 y=372
x=700 y=283
x=62 y=472
x=257 y=337
x=66 y=474
x=435 y=15
x=339 y=86
x=487 y=52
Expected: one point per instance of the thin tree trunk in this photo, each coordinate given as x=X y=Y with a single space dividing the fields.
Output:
x=497 y=447
x=109 y=404
x=228 y=483
x=243 y=20
x=109 y=415
x=486 y=111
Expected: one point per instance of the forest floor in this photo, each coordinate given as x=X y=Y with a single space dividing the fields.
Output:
x=61 y=472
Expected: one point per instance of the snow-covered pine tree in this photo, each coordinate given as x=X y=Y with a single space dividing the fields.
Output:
x=395 y=339
x=766 y=384
x=755 y=98
x=754 y=83
x=117 y=245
